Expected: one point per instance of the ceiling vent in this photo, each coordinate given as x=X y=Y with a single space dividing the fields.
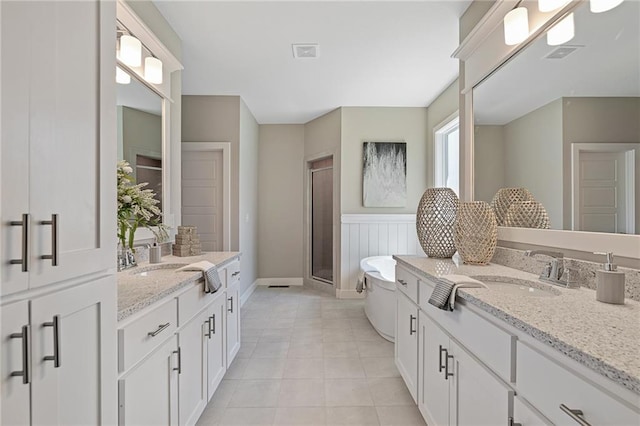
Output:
x=305 y=51
x=562 y=52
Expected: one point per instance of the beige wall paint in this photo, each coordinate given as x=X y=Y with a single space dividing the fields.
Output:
x=280 y=200
x=440 y=109
x=382 y=124
x=248 y=192
x=217 y=119
x=489 y=161
x=533 y=157
x=603 y=120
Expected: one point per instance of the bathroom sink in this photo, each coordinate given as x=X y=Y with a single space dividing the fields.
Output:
x=160 y=268
x=518 y=287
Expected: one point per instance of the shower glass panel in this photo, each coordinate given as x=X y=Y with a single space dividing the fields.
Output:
x=322 y=220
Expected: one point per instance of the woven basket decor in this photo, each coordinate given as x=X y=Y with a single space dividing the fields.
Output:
x=435 y=220
x=505 y=197
x=527 y=214
x=476 y=232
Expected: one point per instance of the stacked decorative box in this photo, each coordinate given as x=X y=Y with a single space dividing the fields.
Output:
x=187 y=242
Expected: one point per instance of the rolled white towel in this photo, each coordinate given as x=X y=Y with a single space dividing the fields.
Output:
x=212 y=282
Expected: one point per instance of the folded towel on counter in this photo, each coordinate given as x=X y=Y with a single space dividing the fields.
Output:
x=444 y=295
x=212 y=280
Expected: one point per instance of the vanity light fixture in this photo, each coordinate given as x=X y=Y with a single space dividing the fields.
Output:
x=516 y=26
x=130 y=50
x=561 y=32
x=153 y=70
x=598 y=6
x=122 y=77
x=551 y=5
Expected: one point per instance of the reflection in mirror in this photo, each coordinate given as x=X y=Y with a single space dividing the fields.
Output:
x=140 y=133
x=564 y=122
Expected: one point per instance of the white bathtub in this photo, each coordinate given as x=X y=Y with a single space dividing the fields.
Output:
x=380 y=302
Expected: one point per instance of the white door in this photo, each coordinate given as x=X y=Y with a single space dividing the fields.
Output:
x=193 y=374
x=406 y=347
x=16 y=363
x=202 y=196
x=216 y=345
x=74 y=355
x=433 y=396
x=233 y=322
x=148 y=395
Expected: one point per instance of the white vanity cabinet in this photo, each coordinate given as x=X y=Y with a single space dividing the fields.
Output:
x=456 y=389
x=58 y=131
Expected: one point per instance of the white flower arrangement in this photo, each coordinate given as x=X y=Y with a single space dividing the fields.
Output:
x=136 y=207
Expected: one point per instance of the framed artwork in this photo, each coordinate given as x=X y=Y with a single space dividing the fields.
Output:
x=384 y=174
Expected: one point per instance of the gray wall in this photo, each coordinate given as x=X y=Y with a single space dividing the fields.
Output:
x=489 y=161
x=141 y=131
x=533 y=157
x=280 y=200
x=382 y=124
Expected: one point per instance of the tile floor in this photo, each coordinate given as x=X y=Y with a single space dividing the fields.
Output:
x=310 y=359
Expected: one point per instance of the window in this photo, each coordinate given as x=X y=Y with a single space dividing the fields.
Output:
x=447 y=154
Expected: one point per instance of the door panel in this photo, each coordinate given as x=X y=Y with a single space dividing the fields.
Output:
x=434 y=395
x=193 y=376
x=233 y=322
x=216 y=346
x=406 y=346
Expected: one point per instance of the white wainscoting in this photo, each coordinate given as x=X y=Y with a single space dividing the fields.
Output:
x=365 y=235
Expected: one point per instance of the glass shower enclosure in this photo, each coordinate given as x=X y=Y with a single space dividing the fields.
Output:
x=322 y=220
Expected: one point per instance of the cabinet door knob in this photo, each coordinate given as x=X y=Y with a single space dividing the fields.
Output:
x=212 y=324
x=576 y=415
x=512 y=423
x=208 y=322
x=231 y=301
x=403 y=282
x=56 y=342
x=179 y=367
x=54 y=240
x=440 y=366
x=25 y=335
x=447 y=373
x=411 y=321
x=25 y=223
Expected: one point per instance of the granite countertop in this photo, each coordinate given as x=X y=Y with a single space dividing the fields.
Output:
x=136 y=292
x=601 y=336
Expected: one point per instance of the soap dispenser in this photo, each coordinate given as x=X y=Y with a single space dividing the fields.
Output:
x=609 y=282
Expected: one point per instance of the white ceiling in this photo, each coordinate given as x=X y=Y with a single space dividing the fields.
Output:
x=372 y=53
x=607 y=63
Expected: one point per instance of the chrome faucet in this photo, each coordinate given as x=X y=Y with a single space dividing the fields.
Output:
x=554 y=271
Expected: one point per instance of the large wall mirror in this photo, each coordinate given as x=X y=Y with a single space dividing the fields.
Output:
x=140 y=133
x=564 y=122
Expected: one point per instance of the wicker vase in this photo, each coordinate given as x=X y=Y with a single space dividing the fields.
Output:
x=476 y=232
x=527 y=214
x=435 y=220
x=505 y=197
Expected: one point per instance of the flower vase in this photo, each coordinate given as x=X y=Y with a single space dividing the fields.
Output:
x=435 y=220
x=126 y=259
x=476 y=232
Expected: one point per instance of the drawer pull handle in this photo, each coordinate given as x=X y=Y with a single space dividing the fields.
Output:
x=24 y=261
x=231 y=301
x=447 y=373
x=440 y=366
x=179 y=367
x=212 y=324
x=403 y=282
x=411 y=320
x=235 y=273
x=25 y=335
x=575 y=415
x=208 y=333
x=160 y=329
x=54 y=240
x=56 y=341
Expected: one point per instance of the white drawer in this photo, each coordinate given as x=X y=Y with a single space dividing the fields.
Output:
x=232 y=273
x=140 y=337
x=546 y=384
x=407 y=283
x=492 y=345
x=194 y=300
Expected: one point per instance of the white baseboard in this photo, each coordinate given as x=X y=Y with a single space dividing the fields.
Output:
x=349 y=294
x=247 y=293
x=279 y=281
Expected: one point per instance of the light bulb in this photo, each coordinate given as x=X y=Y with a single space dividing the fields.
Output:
x=130 y=51
x=153 y=70
x=561 y=32
x=598 y=6
x=516 y=26
x=122 y=77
